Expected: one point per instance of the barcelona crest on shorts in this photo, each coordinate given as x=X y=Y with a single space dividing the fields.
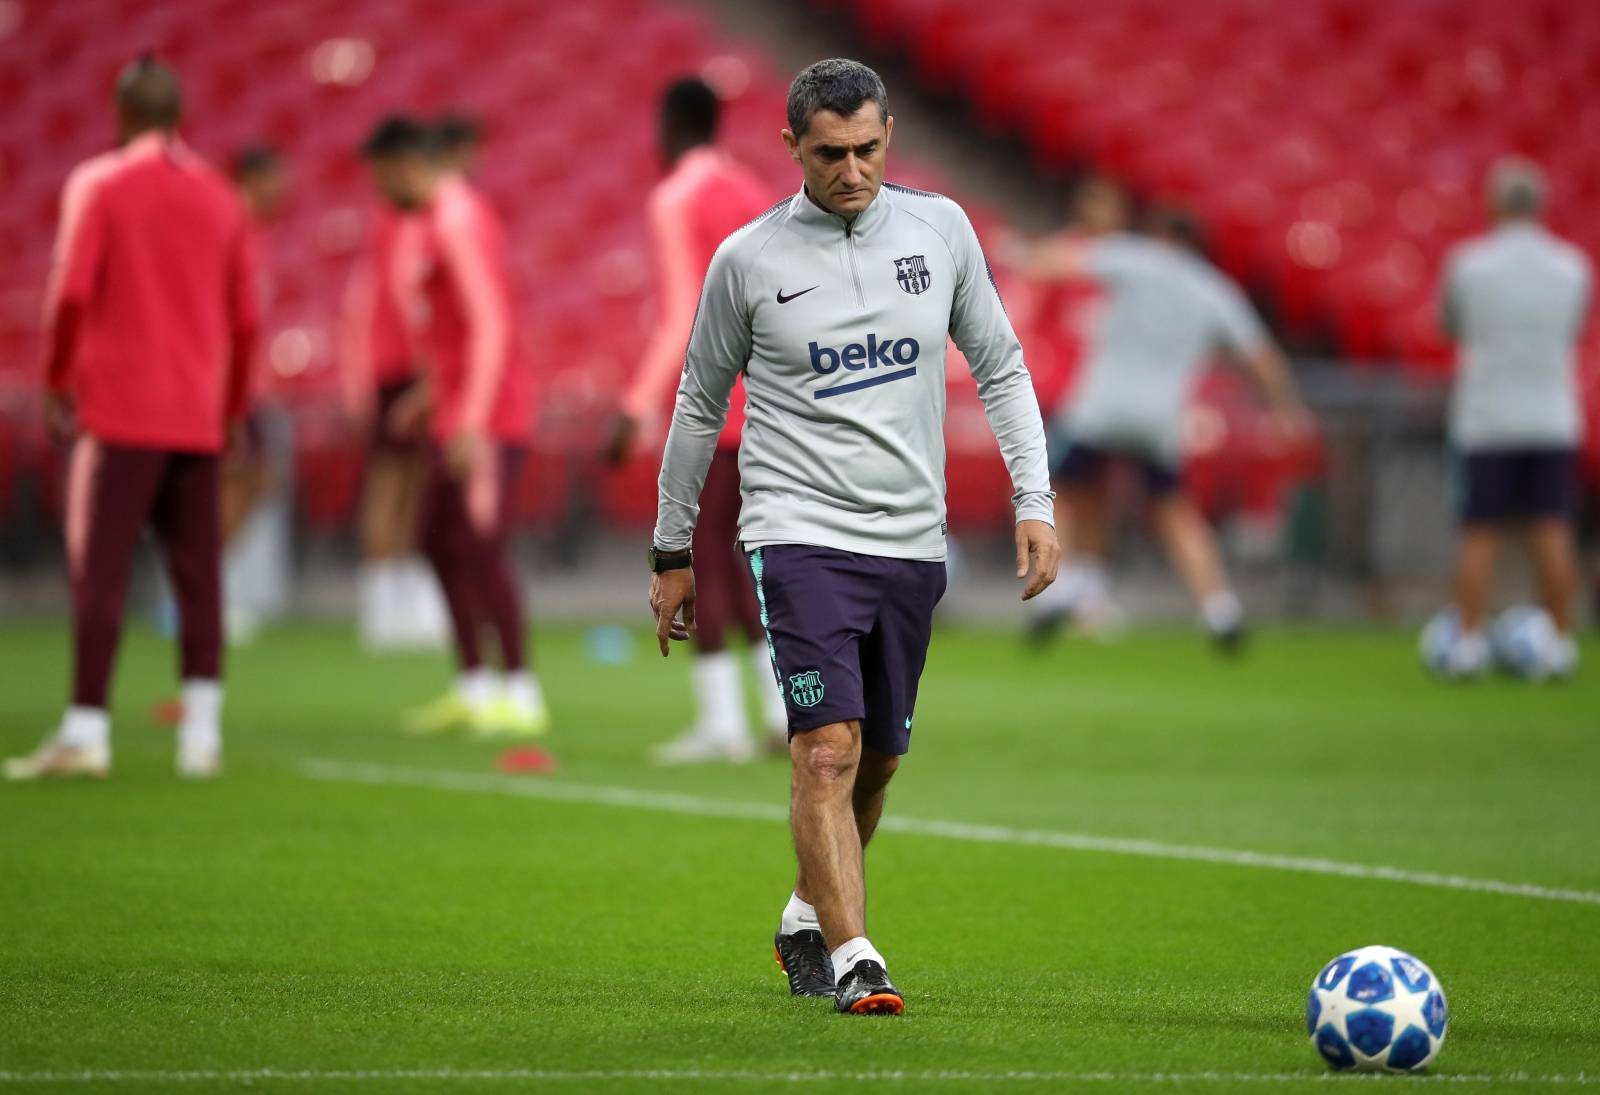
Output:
x=912 y=274
x=806 y=688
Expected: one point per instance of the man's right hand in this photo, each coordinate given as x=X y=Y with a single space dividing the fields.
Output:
x=672 y=591
x=620 y=440
x=59 y=418
x=409 y=415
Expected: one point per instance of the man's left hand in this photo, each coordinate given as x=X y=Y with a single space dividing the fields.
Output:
x=59 y=418
x=463 y=451
x=1037 y=544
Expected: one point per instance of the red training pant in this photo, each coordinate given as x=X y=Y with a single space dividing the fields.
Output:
x=113 y=491
x=724 y=591
x=461 y=530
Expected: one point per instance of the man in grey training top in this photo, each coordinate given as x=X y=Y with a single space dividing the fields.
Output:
x=1515 y=300
x=836 y=304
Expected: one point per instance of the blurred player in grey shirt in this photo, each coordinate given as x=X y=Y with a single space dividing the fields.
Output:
x=1515 y=300
x=1167 y=312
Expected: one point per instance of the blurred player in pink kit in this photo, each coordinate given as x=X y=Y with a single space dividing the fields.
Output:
x=380 y=371
x=477 y=398
x=151 y=316
x=705 y=196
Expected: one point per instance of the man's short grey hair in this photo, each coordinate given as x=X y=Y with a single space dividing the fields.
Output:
x=838 y=85
x=1517 y=187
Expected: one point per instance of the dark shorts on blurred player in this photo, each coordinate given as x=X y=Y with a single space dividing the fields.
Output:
x=384 y=437
x=1080 y=463
x=849 y=636
x=1499 y=485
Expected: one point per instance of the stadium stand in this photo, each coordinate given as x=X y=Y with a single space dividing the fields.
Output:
x=1333 y=151
x=567 y=95
x=1334 y=148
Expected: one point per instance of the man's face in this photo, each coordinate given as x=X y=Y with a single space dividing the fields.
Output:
x=1100 y=209
x=400 y=179
x=263 y=192
x=842 y=158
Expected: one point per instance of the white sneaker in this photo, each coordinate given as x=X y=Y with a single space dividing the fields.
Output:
x=57 y=760
x=1563 y=658
x=196 y=762
x=698 y=747
x=1468 y=657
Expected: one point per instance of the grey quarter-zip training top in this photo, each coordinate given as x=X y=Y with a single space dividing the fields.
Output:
x=840 y=329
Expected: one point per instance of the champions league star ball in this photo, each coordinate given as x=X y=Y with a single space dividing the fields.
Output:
x=1438 y=640
x=1377 y=1009
x=1521 y=641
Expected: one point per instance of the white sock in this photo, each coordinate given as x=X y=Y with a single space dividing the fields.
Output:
x=798 y=916
x=522 y=690
x=1221 y=611
x=1094 y=587
x=476 y=687
x=85 y=728
x=368 y=591
x=201 y=728
x=1061 y=595
x=424 y=607
x=719 y=695
x=853 y=951
x=394 y=599
x=773 y=712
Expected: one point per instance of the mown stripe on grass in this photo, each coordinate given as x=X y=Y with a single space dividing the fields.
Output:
x=335 y=771
x=669 y=1075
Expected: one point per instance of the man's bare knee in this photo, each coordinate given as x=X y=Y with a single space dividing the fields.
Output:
x=826 y=756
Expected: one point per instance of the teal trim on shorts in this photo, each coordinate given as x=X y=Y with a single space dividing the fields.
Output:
x=758 y=569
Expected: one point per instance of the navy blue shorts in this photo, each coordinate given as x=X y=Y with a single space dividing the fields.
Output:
x=1499 y=485
x=848 y=635
x=1082 y=463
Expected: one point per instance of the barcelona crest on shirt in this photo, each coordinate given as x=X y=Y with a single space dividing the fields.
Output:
x=912 y=274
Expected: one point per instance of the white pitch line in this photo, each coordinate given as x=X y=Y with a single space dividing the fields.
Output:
x=701 y=1076
x=335 y=771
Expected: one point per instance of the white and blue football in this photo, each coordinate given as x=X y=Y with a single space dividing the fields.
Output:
x=1377 y=1009
x=1522 y=640
x=1438 y=640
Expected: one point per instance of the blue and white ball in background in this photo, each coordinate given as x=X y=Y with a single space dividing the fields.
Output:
x=1438 y=640
x=1377 y=1009
x=1522 y=640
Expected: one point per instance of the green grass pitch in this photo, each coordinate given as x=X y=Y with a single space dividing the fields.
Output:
x=282 y=932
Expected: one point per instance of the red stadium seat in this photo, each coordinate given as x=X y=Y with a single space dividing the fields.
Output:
x=567 y=95
x=1385 y=114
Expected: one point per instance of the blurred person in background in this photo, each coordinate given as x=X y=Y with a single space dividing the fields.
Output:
x=1515 y=301
x=399 y=600
x=477 y=405
x=1167 y=312
x=262 y=183
x=151 y=315
x=1057 y=320
x=705 y=196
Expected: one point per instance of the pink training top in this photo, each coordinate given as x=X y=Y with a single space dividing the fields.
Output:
x=707 y=195
x=469 y=338
x=152 y=303
x=375 y=337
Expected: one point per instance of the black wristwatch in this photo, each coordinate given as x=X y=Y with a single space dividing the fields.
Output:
x=670 y=560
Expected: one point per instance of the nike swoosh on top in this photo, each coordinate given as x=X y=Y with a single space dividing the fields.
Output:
x=786 y=299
